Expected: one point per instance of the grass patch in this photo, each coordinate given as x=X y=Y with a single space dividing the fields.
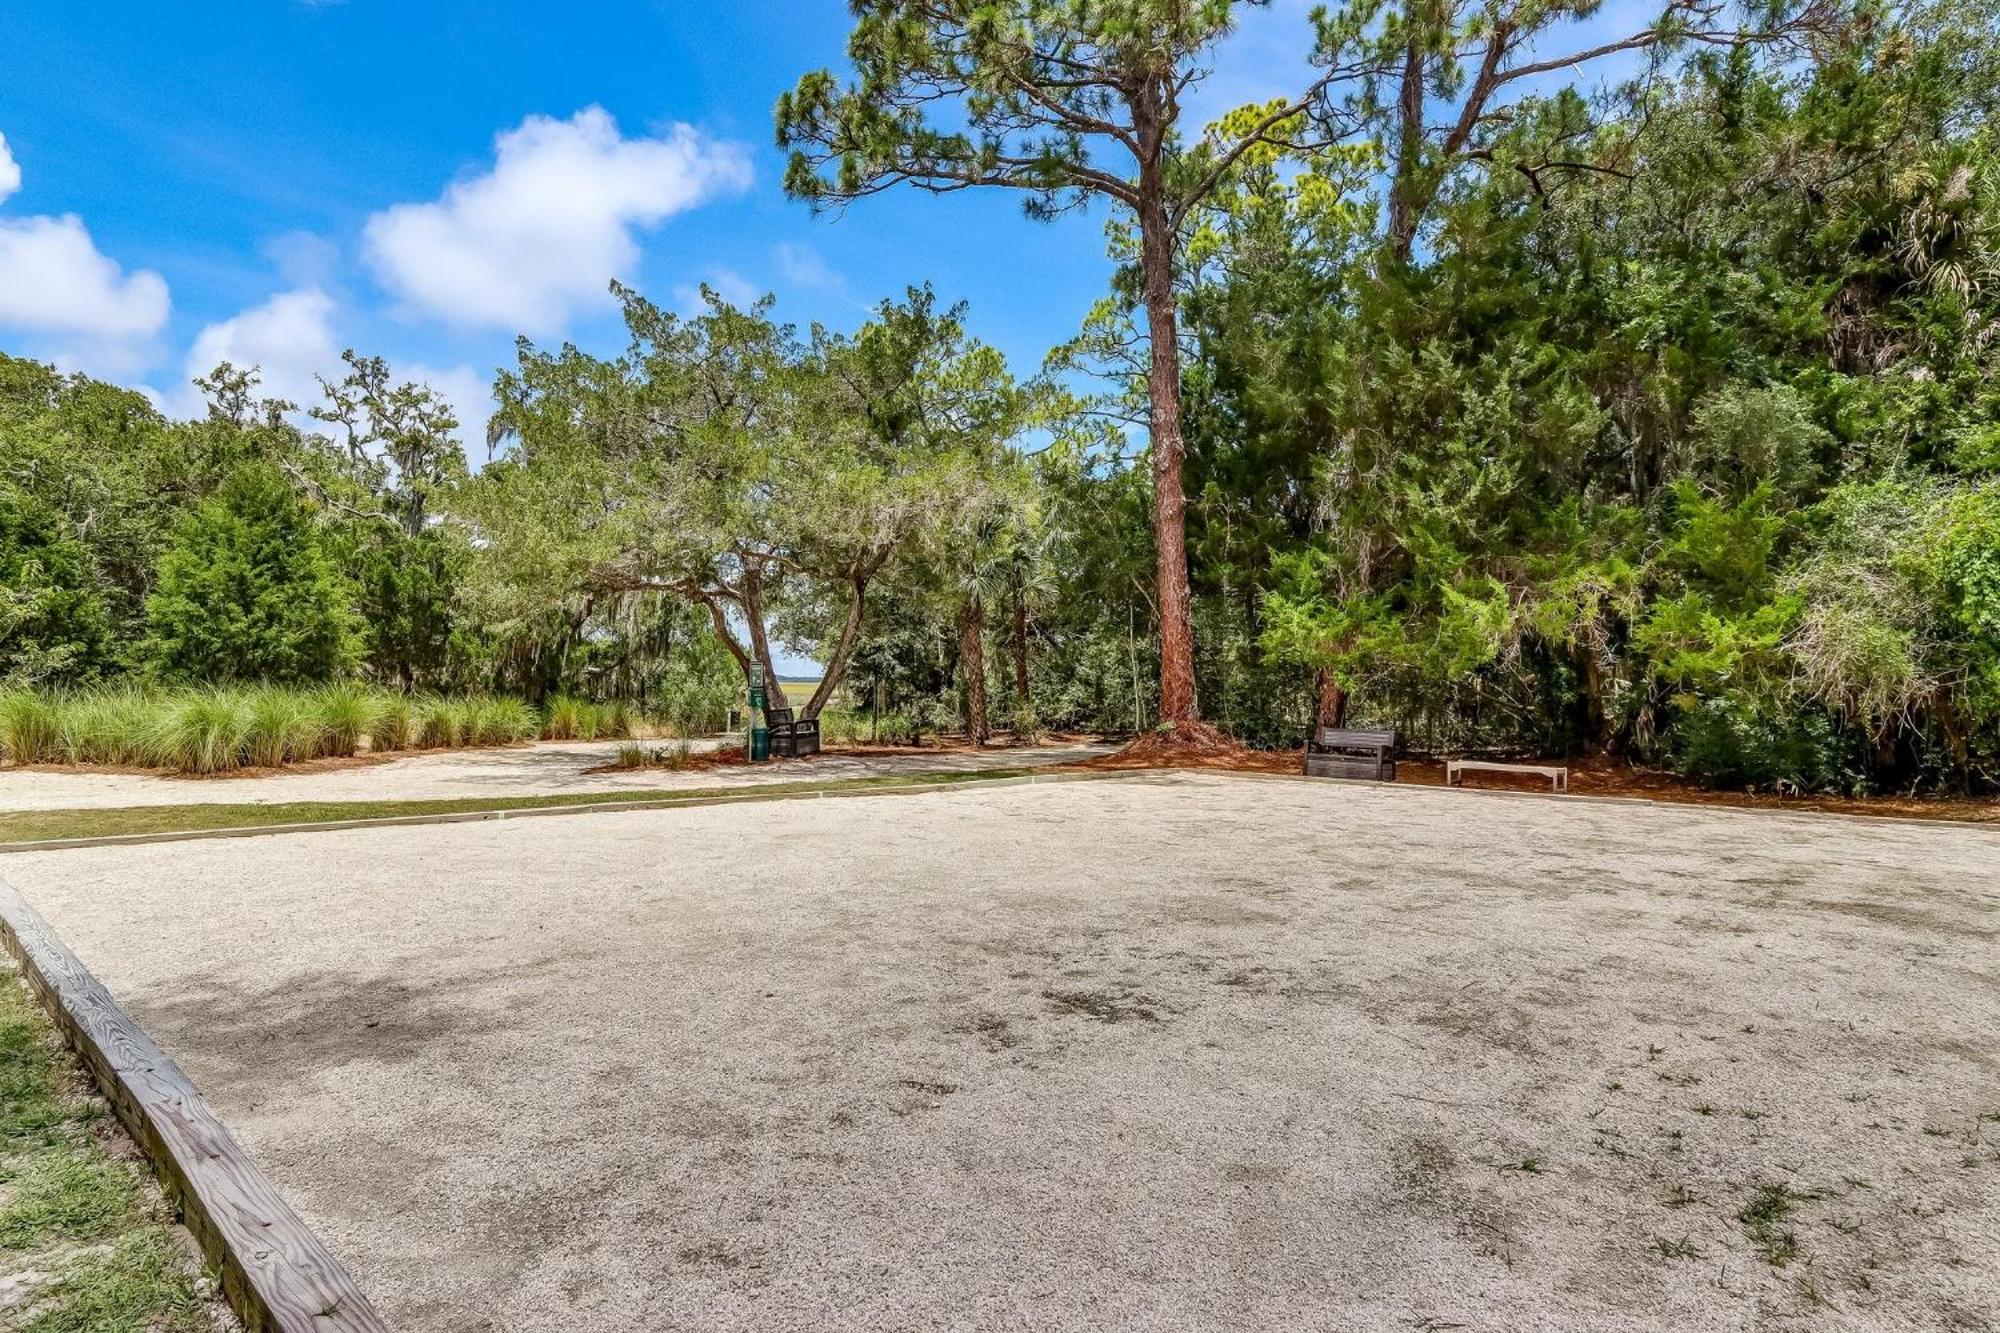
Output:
x=31 y=1104
x=140 y=1281
x=1684 y=1248
x=1764 y=1219
x=672 y=756
x=39 y=825
x=61 y=1194
x=77 y=1224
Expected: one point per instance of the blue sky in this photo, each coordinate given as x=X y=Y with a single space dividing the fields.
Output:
x=274 y=180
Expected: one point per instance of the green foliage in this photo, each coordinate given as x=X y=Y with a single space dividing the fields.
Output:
x=407 y=603
x=1737 y=740
x=97 y=492
x=54 y=622
x=696 y=688
x=1674 y=452
x=766 y=480
x=246 y=592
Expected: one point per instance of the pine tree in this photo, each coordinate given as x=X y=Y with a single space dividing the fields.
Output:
x=246 y=592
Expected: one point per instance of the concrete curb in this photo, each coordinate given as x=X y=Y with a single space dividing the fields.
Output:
x=589 y=808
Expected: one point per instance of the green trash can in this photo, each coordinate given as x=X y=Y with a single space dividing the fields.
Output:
x=760 y=731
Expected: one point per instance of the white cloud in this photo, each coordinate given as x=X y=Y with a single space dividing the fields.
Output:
x=803 y=266
x=54 y=282
x=290 y=339
x=10 y=171
x=540 y=236
x=303 y=258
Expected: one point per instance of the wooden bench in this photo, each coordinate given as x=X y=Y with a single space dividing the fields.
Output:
x=792 y=739
x=1456 y=769
x=1337 y=752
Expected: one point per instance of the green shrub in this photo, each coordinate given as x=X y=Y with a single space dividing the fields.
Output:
x=1026 y=725
x=1733 y=742
x=55 y=625
x=246 y=592
x=843 y=726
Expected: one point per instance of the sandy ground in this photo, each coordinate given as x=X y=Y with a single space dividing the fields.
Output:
x=1180 y=1052
x=546 y=769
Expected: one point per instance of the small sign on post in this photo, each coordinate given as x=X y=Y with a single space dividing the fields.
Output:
x=760 y=725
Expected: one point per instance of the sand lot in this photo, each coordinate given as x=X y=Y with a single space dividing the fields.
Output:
x=548 y=768
x=1175 y=1052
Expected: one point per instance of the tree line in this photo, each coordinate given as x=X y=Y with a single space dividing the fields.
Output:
x=1631 y=395
x=1649 y=412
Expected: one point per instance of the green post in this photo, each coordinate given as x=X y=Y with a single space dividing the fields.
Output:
x=760 y=730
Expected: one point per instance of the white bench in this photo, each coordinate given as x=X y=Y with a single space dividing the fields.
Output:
x=1456 y=769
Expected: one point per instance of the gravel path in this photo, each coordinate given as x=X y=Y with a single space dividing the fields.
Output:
x=546 y=769
x=1184 y=1052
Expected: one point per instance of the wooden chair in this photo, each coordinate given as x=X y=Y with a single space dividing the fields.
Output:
x=792 y=738
x=1339 y=752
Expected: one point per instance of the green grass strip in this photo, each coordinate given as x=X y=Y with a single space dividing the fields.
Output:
x=74 y=1220
x=124 y=821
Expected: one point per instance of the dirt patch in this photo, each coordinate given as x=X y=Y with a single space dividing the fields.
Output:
x=1183 y=745
x=1594 y=776
x=1106 y=1006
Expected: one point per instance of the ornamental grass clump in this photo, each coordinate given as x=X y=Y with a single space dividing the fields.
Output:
x=394 y=725
x=204 y=733
x=213 y=730
x=106 y=726
x=281 y=727
x=346 y=713
x=563 y=719
x=568 y=718
x=500 y=721
x=29 y=728
x=442 y=723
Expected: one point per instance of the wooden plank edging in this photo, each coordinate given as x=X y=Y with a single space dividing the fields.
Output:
x=613 y=806
x=277 y=1275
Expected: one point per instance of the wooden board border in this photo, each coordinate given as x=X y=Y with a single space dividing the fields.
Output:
x=276 y=1274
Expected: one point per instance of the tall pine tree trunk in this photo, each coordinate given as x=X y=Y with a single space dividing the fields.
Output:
x=1330 y=703
x=1170 y=572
